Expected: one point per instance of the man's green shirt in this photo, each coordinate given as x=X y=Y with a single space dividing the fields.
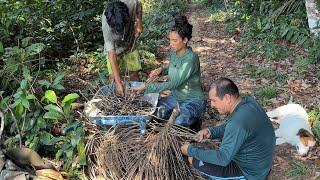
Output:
x=248 y=139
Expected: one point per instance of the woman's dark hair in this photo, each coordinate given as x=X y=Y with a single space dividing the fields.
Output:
x=117 y=15
x=225 y=86
x=182 y=27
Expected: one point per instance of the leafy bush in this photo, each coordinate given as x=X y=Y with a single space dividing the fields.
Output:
x=300 y=66
x=267 y=93
x=298 y=170
x=314 y=53
x=157 y=20
x=58 y=24
x=265 y=72
x=314 y=118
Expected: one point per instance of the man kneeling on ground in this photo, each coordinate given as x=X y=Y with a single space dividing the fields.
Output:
x=248 y=139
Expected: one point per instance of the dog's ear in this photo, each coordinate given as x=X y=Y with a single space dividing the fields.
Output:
x=305 y=136
x=304 y=133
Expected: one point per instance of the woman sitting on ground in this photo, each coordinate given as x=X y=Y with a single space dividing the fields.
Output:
x=184 y=83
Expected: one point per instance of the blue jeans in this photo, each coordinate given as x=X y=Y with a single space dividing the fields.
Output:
x=191 y=111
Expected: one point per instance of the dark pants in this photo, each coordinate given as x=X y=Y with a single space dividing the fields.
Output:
x=191 y=111
x=232 y=171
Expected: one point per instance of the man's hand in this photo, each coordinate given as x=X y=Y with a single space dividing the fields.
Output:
x=138 y=89
x=203 y=135
x=120 y=89
x=184 y=148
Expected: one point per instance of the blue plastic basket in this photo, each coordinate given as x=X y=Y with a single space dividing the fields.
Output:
x=104 y=121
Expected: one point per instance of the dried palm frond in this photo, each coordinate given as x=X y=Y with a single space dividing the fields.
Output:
x=124 y=153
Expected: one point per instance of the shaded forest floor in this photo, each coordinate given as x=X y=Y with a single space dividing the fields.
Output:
x=219 y=54
x=219 y=51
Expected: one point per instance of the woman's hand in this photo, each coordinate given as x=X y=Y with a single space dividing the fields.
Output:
x=138 y=89
x=154 y=74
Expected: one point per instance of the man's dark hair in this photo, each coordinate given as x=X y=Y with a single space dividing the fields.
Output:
x=182 y=27
x=225 y=86
x=117 y=15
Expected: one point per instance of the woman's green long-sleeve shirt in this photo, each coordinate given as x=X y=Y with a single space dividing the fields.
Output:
x=184 y=77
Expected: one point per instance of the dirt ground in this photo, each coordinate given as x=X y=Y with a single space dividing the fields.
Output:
x=217 y=50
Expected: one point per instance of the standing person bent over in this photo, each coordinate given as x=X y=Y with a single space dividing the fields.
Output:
x=121 y=25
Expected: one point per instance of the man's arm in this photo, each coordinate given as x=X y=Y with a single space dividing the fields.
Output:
x=233 y=139
x=116 y=71
x=217 y=131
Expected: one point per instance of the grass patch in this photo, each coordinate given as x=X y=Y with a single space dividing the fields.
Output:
x=318 y=74
x=265 y=72
x=298 y=170
x=314 y=118
x=300 y=66
x=267 y=93
x=220 y=16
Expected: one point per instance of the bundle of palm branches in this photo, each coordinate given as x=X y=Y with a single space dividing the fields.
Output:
x=114 y=104
x=124 y=153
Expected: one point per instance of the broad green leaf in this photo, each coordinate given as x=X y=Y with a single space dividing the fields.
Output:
x=25 y=103
x=59 y=154
x=24 y=84
x=44 y=83
x=12 y=66
x=259 y=24
x=75 y=139
x=82 y=153
x=1 y=47
x=53 y=108
x=67 y=108
x=18 y=94
x=31 y=96
x=70 y=98
x=69 y=153
x=295 y=37
x=58 y=78
x=26 y=73
x=58 y=87
x=16 y=103
x=34 y=49
x=41 y=123
x=19 y=110
x=289 y=35
x=51 y=96
x=35 y=143
x=52 y=115
x=45 y=138
x=52 y=140
x=25 y=41
x=284 y=33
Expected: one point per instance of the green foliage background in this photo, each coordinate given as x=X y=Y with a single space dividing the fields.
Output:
x=39 y=39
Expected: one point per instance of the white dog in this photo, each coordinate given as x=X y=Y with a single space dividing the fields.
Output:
x=294 y=128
